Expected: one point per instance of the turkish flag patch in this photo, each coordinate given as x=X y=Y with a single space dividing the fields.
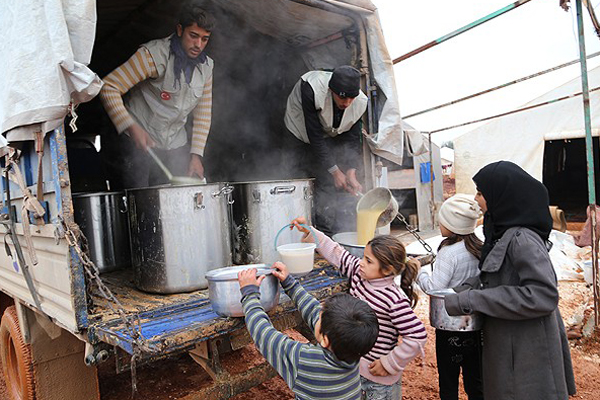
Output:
x=165 y=96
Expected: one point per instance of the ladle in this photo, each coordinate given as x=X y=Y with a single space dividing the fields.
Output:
x=175 y=180
x=377 y=196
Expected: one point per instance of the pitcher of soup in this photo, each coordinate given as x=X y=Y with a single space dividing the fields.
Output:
x=376 y=208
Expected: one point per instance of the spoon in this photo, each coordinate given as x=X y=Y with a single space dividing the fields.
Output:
x=159 y=162
x=175 y=180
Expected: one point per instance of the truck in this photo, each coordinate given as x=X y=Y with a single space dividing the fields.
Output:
x=60 y=316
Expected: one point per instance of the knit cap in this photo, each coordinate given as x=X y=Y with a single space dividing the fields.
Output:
x=345 y=81
x=459 y=214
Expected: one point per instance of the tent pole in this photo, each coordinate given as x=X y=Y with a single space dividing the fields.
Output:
x=464 y=29
x=450 y=103
x=589 y=146
x=432 y=207
x=514 y=111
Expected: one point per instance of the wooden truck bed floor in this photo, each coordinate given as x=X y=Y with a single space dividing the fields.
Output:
x=178 y=322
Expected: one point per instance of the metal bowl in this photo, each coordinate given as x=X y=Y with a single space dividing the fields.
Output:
x=224 y=289
x=349 y=241
x=439 y=318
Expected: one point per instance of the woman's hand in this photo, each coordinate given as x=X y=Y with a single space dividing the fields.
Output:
x=306 y=238
x=248 y=277
x=280 y=271
x=376 y=369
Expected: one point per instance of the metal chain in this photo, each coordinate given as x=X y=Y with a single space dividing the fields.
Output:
x=413 y=231
x=132 y=325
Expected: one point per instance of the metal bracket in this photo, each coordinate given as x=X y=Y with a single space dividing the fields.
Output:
x=198 y=200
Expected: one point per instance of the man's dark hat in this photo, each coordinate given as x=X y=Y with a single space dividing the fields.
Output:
x=345 y=81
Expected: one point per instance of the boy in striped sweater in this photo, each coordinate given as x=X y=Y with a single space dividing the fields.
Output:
x=345 y=328
x=402 y=335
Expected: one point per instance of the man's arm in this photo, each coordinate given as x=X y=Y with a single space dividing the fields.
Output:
x=350 y=146
x=138 y=68
x=202 y=119
x=314 y=130
x=200 y=129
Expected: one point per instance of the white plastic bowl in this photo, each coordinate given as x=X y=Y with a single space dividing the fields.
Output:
x=298 y=257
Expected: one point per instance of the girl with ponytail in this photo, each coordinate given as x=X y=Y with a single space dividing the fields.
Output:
x=372 y=280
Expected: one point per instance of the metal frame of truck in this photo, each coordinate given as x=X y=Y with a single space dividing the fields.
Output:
x=77 y=325
x=168 y=324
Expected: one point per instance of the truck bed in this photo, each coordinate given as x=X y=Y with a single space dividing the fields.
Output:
x=174 y=323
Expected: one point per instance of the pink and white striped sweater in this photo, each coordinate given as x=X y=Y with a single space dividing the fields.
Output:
x=394 y=314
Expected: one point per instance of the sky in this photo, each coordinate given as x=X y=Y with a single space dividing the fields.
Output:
x=535 y=36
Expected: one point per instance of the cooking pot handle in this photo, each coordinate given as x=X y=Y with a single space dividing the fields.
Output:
x=123 y=208
x=283 y=189
x=312 y=232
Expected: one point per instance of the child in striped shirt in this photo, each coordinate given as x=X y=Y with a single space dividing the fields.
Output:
x=372 y=280
x=345 y=328
x=457 y=260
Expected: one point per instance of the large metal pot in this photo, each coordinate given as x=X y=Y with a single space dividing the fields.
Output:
x=102 y=217
x=260 y=209
x=224 y=289
x=439 y=318
x=178 y=234
x=349 y=241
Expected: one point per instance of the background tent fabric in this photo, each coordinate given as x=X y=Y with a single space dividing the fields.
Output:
x=520 y=137
x=45 y=47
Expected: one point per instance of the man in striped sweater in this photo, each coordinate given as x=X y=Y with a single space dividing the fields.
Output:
x=346 y=328
x=150 y=97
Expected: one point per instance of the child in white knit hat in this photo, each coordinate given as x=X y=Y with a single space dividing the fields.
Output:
x=457 y=260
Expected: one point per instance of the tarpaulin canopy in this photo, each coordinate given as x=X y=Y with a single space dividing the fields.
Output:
x=520 y=137
x=43 y=73
x=45 y=47
x=296 y=24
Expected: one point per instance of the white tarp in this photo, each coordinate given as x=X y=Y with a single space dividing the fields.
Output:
x=520 y=137
x=44 y=51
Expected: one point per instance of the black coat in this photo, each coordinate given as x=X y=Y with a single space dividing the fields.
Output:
x=526 y=354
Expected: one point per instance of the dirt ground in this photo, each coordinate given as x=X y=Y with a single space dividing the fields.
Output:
x=179 y=378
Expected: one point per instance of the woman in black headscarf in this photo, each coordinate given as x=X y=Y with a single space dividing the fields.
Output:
x=525 y=350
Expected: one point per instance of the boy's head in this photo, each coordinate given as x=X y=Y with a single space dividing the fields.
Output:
x=348 y=327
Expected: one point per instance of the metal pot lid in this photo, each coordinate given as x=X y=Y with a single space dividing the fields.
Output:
x=97 y=194
x=273 y=182
x=231 y=273
x=169 y=186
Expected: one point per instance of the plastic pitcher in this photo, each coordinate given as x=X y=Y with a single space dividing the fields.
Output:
x=298 y=257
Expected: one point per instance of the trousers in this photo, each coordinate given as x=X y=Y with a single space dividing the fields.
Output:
x=456 y=351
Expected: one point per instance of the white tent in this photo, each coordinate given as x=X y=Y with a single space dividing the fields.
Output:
x=520 y=137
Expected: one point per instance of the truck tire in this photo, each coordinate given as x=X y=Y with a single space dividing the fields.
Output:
x=16 y=358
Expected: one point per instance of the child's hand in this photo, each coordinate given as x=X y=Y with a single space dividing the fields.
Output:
x=248 y=277
x=376 y=369
x=280 y=271
x=306 y=238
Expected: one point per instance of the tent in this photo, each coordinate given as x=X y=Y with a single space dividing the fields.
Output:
x=524 y=137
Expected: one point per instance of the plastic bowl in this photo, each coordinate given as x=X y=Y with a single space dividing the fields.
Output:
x=298 y=257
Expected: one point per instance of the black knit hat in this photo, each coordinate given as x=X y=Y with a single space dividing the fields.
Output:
x=345 y=81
